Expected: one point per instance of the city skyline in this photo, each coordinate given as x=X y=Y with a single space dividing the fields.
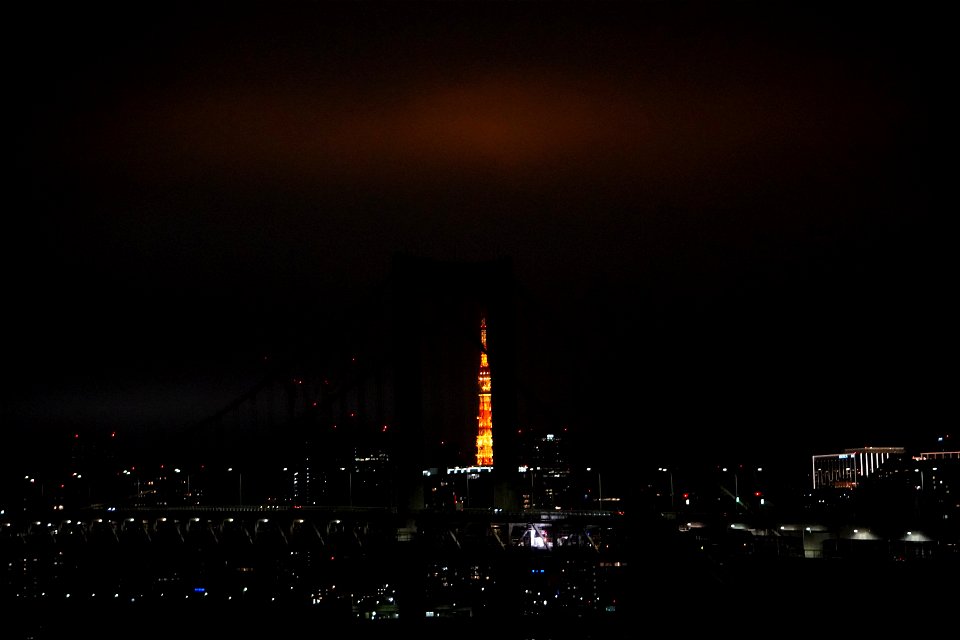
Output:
x=721 y=221
x=255 y=255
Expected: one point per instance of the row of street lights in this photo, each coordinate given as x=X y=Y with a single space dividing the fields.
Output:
x=738 y=503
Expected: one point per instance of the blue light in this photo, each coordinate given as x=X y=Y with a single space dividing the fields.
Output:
x=199 y=590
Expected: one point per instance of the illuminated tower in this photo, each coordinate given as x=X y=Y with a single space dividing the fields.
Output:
x=485 y=416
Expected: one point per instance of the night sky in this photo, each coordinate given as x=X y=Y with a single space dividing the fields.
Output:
x=723 y=218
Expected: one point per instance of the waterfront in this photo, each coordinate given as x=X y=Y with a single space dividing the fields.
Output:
x=356 y=568
x=452 y=573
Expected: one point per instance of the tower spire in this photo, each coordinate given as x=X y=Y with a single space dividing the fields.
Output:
x=485 y=415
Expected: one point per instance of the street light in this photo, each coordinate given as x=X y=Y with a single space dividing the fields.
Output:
x=672 y=507
x=736 y=492
x=349 y=485
x=183 y=495
x=599 y=488
x=239 y=485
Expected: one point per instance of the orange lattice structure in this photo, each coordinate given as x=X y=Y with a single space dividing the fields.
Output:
x=485 y=417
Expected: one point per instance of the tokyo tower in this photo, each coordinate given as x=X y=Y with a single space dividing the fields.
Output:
x=485 y=416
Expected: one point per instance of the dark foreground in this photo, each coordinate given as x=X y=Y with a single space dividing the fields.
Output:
x=680 y=596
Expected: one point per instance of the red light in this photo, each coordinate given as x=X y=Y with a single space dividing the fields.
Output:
x=757 y=493
x=686 y=495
